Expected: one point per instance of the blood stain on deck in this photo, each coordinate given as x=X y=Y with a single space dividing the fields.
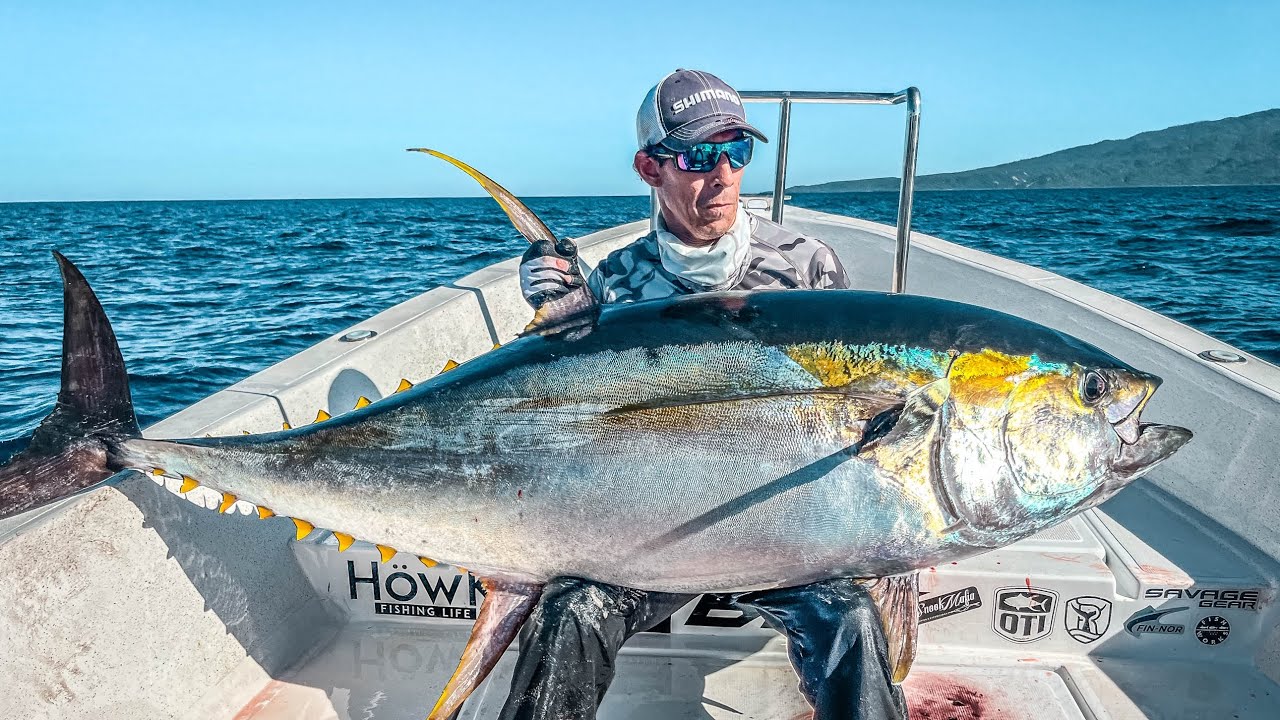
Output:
x=937 y=697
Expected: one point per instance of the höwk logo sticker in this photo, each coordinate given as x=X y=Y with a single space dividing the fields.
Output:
x=1024 y=614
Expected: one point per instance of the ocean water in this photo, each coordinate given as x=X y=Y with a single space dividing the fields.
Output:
x=203 y=294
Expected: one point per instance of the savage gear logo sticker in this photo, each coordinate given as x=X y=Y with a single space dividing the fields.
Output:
x=948 y=604
x=442 y=599
x=1147 y=622
x=1227 y=599
x=1213 y=630
x=1087 y=618
x=1024 y=614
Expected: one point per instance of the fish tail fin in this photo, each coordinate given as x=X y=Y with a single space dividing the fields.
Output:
x=69 y=450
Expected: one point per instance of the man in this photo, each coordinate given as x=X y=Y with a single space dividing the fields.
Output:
x=694 y=142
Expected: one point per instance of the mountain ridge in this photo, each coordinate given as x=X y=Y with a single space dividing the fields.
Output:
x=1240 y=150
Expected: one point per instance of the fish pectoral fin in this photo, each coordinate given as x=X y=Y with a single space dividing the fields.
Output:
x=898 y=598
x=919 y=413
x=506 y=606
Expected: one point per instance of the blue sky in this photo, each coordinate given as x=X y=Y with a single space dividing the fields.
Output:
x=163 y=100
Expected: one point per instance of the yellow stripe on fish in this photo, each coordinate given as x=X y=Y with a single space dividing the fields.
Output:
x=989 y=377
x=836 y=364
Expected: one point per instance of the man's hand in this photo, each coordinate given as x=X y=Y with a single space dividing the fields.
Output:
x=549 y=270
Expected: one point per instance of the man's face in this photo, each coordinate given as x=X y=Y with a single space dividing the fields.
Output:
x=699 y=208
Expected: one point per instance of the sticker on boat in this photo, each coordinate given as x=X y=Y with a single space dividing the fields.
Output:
x=1087 y=618
x=1024 y=614
x=409 y=591
x=948 y=604
x=1225 y=599
x=1148 y=621
x=1213 y=630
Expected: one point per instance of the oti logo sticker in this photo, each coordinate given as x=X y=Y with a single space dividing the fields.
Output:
x=1024 y=614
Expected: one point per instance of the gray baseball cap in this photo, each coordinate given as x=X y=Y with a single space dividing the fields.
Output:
x=687 y=107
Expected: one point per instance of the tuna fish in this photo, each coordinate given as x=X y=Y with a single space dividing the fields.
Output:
x=717 y=442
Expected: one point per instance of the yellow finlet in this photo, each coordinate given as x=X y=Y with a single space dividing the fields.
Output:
x=461 y=569
x=427 y=561
x=188 y=484
x=245 y=432
x=227 y=501
x=322 y=416
x=344 y=541
x=387 y=552
x=496 y=346
x=304 y=527
x=449 y=365
x=265 y=512
x=157 y=471
x=286 y=426
x=362 y=402
x=404 y=385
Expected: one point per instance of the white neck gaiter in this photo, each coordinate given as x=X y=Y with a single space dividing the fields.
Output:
x=718 y=266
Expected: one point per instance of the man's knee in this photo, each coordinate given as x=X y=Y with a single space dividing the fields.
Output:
x=828 y=616
x=573 y=606
x=850 y=604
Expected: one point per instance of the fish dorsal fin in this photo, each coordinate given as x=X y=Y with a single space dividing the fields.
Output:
x=571 y=316
x=898 y=598
x=506 y=606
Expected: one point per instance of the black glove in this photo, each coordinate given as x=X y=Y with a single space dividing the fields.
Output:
x=548 y=271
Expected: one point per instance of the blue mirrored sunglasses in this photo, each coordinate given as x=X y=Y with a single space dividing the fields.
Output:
x=702 y=158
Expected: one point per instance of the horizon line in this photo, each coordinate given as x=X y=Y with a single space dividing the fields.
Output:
x=917 y=189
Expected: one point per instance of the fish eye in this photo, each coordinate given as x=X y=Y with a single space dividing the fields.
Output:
x=1093 y=387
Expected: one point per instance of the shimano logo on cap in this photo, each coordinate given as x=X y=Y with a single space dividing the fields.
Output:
x=685 y=103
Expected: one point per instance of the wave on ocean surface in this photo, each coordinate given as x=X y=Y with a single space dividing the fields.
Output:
x=203 y=294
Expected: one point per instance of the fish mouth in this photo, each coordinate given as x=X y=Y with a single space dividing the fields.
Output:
x=1143 y=445
x=1130 y=428
x=1153 y=445
x=1132 y=391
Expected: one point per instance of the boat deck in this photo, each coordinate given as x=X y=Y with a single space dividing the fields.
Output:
x=1160 y=604
x=978 y=659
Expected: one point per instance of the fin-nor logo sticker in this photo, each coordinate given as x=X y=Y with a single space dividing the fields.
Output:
x=1147 y=622
x=1024 y=614
x=1087 y=618
x=418 y=594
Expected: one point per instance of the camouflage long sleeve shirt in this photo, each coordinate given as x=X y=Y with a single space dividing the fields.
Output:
x=778 y=259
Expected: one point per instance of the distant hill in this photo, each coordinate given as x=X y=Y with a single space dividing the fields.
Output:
x=1241 y=150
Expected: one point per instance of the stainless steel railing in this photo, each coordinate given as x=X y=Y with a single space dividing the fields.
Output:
x=906 y=191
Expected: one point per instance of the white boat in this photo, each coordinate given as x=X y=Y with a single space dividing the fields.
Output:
x=127 y=603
